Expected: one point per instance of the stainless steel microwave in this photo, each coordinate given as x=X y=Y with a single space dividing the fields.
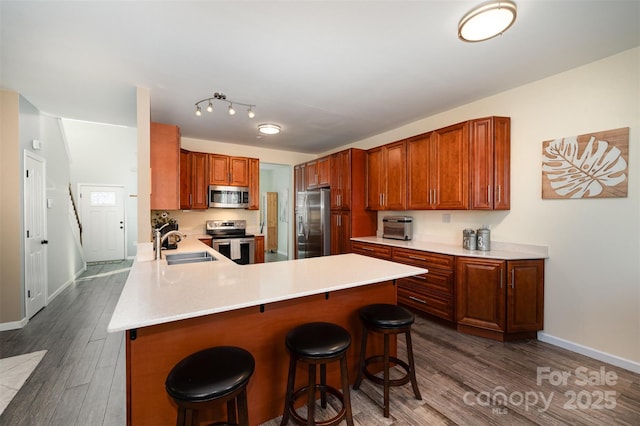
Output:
x=229 y=197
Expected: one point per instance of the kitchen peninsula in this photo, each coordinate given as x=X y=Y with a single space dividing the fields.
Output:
x=171 y=311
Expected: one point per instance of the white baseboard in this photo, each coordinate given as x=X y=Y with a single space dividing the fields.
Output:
x=6 y=326
x=627 y=364
x=13 y=325
x=67 y=284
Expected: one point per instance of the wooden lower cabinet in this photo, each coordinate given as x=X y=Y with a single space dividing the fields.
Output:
x=207 y=241
x=492 y=298
x=371 y=250
x=259 y=255
x=340 y=232
x=498 y=299
x=432 y=293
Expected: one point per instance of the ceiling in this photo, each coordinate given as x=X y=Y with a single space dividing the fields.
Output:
x=328 y=72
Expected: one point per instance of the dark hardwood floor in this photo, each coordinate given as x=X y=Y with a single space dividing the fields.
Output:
x=464 y=380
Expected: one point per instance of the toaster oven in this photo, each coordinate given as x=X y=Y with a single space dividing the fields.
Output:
x=397 y=227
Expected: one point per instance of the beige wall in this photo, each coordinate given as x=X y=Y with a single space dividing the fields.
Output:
x=144 y=165
x=10 y=242
x=592 y=287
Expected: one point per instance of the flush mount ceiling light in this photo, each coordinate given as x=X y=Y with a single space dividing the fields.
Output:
x=487 y=21
x=217 y=96
x=269 y=129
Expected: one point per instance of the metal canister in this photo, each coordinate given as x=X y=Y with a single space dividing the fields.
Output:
x=484 y=239
x=469 y=239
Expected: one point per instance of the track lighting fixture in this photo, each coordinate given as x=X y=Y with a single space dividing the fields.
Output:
x=222 y=97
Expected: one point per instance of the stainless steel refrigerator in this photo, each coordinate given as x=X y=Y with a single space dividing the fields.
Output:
x=313 y=223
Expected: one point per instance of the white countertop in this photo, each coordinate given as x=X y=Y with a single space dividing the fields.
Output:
x=157 y=293
x=499 y=250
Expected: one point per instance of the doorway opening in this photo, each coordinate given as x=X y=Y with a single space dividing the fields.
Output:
x=276 y=184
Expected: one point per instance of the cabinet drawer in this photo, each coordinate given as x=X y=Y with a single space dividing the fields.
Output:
x=423 y=259
x=435 y=280
x=372 y=250
x=441 y=307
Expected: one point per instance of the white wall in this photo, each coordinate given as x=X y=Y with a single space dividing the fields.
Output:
x=103 y=154
x=592 y=277
x=64 y=257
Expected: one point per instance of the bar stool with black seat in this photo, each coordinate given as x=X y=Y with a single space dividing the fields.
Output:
x=317 y=343
x=211 y=377
x=388 y=320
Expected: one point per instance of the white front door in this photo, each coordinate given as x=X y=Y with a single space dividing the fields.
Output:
x=103 y=230
x=35 y=225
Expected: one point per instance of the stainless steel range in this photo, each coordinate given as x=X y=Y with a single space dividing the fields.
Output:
x=230 y=239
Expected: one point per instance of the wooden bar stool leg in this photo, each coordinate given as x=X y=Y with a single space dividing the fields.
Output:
x=345 y=390
x=181 y=416
x=323 y=382
x=243 y=409
x=231 y=411
x=288 y=400
x=386 y=375
x=311 y=396
x=412 y=367
x=363 y=355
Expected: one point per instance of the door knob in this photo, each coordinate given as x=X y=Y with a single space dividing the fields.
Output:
x=44 y=242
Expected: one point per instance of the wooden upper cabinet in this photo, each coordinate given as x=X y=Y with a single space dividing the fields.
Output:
x=185 y=179
x=437 y=169
x=225 y=170
x=300 y=178
x=449 y=163
x=419 y=190
x=340 y=166
x=490 y=163
x=218 y=169
x=199 y=182
x=254 y=184
x=375 y=176
x=387 y=177
x=165 y=166
x=238 y=171
x=318 y=173
x=194 y=180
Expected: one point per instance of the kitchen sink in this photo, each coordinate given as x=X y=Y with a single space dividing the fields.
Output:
x=193 y=257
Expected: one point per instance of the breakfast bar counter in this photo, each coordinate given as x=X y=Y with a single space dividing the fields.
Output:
x=171 y=311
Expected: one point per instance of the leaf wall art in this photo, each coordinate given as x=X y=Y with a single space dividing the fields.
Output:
x=594 y=165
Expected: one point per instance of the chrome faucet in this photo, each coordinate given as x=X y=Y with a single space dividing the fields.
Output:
x=158 y=239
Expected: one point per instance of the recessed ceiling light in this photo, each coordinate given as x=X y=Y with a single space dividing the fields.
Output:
x=487 y=21
x=269 y=129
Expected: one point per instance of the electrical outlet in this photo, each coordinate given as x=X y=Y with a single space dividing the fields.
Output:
x=446 y=218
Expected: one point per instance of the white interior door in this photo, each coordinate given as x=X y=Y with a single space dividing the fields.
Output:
x=35 y=225
x=103 y=227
